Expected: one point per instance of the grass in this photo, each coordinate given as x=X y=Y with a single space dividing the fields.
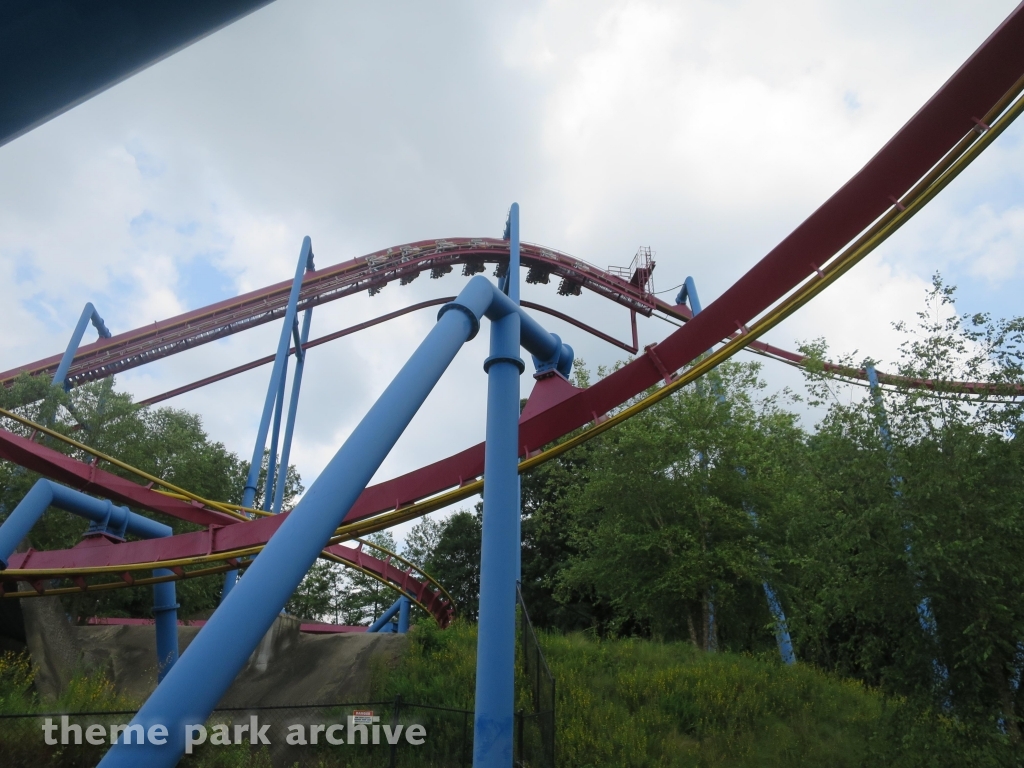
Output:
x=21 y=739
x=635 y=703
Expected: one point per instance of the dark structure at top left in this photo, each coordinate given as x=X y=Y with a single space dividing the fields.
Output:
x=55 y=54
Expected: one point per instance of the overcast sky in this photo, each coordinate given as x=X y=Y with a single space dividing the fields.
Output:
x=705 y=130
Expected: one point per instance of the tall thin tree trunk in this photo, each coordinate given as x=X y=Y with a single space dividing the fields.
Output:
x=710 y=623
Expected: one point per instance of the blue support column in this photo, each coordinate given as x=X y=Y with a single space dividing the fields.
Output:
x=782 y=637
x=519 y=530
x=165 y=615
x=495 y=666
x=403 y=614
x=293 y=407
x=280 y=366
x=512 y=291
x=275 y=436
x=882 y=421
x=105 y=517
x=274 y=394
x=688 y=294
x=89 y=313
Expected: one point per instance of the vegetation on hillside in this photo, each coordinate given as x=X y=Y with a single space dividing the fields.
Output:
x=630 y=702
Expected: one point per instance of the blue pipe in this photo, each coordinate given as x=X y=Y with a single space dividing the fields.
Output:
x=230 y=579
x=519 y=530
x=165 y=615
x=496 y=628
x=197 y=682
x=275 y=436
x=481 y=298
x=385 y=618
x=105 y=518
x=882 y=422
x=513 y=253
x=403 y=614
x=280 y=363
x=293 y=407
x=782 y=637
x=280 y=367
x=88 y=314
x=511 y=289
x=688 y=293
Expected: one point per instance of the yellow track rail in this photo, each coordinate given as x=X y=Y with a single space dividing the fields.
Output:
x=172 y=490
x=409 y=564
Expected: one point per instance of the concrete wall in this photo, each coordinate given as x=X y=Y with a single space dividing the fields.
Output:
x=287 y=667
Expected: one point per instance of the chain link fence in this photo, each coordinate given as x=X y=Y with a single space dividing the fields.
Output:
x=535 y=731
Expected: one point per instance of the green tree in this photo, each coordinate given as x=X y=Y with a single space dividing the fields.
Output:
x=293 y=487
x=319 y=595
x=662 y=520
x=455 y=561
x=912 y=579
x=422 y=540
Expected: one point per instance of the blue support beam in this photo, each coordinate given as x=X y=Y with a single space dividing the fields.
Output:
x=89 y=314
x=293 y=407
x=105 y=519
x=199 y=679
x=500 y=549
x=509 y=285
x=382 y=624
x=495 y=675
x=882 y=422
x=165 y=616
x=399 y=608
x=782 y=637
x=104 y=516
x=277 y=376
x=688 y=295
x=405 y=605
x=273 y=404
x=275 y=435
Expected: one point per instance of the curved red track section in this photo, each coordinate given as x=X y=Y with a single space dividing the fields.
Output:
x=143 y=345
x=938 y=126
x=434 y=601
